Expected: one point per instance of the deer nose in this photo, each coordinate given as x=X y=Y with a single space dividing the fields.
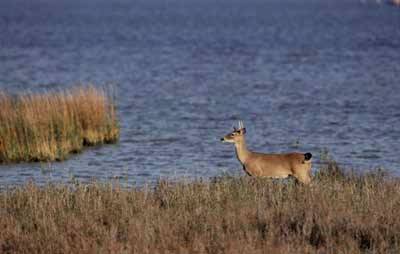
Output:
x=222 y=139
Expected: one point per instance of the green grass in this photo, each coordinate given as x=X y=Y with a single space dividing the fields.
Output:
x=49 y=126
x=339 y=213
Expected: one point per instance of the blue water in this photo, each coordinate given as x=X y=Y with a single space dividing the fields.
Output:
x=304 y=75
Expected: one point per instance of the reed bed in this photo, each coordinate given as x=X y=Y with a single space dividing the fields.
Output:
x=339 y=213
x=49 y=126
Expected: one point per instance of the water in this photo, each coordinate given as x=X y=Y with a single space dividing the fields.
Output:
x=306 y=75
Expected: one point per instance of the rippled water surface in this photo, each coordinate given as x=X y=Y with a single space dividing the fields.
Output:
x=307 y=75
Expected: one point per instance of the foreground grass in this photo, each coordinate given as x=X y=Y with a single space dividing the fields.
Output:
x=49 y=126
x=337 y=214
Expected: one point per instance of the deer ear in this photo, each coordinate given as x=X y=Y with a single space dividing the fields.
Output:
x=244 y=131
x=234 y=128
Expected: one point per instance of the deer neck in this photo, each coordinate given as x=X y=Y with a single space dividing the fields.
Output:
x=241 y=151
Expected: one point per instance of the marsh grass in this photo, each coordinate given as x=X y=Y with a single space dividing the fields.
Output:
x=350 y=213
x=49 y=126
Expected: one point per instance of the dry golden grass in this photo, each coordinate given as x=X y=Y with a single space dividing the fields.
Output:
x=338 y=213
x=49 y=126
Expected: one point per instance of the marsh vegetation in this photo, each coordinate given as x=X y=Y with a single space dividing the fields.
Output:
x=341 y=212
x=48 y=126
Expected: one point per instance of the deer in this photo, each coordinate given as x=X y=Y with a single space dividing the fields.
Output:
x=297 y=165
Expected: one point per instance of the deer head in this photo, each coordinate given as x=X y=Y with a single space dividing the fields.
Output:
x=236 y=136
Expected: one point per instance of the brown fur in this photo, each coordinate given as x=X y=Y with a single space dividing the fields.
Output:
x=269 y=165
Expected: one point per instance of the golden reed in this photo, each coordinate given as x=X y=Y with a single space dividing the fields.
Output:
x=49 y=126
x=337 y=213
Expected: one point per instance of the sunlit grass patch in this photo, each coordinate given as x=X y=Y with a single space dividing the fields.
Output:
x=49 y=126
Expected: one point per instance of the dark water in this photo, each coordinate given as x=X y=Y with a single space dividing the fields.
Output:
x=309 y=75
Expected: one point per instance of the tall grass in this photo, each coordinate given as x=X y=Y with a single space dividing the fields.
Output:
x=338 y=213
x=49 y=126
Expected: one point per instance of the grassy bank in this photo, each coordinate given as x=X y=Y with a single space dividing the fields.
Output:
x=49 y=126
x=337 y=214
